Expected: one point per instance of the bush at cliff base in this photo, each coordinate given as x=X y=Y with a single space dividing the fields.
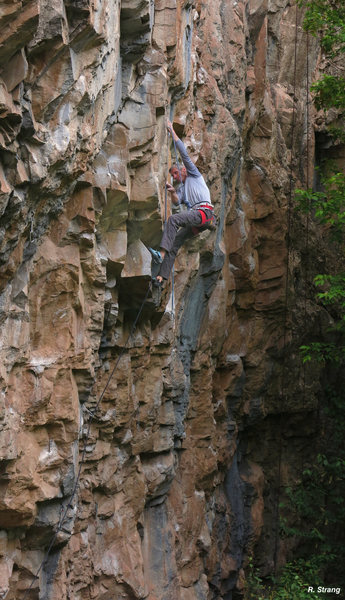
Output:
x=293 y=583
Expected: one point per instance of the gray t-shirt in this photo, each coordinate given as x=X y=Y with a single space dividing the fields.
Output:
x=194 y=190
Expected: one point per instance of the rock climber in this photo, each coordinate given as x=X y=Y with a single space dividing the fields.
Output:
x=184 y=225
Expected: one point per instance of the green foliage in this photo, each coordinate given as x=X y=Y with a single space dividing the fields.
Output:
x=327 y=19
x=329 y=92
x=333 y=294
x=292 y=584
x=337 y=134
x=316 y=504
x=328 y=206
x=322 y=352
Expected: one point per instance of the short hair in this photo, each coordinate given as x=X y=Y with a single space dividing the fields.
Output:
x=176 y=166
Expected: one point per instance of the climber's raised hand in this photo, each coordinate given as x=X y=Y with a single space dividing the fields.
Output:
x=171 y=130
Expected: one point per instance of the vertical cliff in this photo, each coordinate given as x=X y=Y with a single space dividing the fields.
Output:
x=174 y=479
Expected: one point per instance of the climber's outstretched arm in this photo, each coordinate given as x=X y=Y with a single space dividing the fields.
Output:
x=191 y=169
x=171 y=130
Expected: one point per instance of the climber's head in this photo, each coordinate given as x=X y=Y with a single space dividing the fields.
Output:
x=175 y=173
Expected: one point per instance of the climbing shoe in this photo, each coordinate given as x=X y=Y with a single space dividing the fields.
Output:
x=156 y=256
x=155 y=283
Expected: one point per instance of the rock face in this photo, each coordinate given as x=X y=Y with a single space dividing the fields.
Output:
x=163 y=488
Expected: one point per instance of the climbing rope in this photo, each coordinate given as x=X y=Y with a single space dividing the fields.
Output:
x=307 y=186
x=179 y=206
x=86 y=440
x=287 y=285
x=165 y=222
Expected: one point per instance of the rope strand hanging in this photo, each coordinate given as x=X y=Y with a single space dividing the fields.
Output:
x=307 y=225
x=286 y=298
x=179 y=206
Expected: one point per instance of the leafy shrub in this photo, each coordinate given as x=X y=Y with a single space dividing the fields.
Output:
x=292 y=584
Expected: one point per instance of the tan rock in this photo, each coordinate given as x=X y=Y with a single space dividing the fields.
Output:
x=15 y=71
x=138 y=261
x=164 y=31
x=20 y=28
x=4 y=187
x=140 y=120
x=7 y=106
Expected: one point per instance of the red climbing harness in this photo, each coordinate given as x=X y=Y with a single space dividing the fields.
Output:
x=204 y=220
